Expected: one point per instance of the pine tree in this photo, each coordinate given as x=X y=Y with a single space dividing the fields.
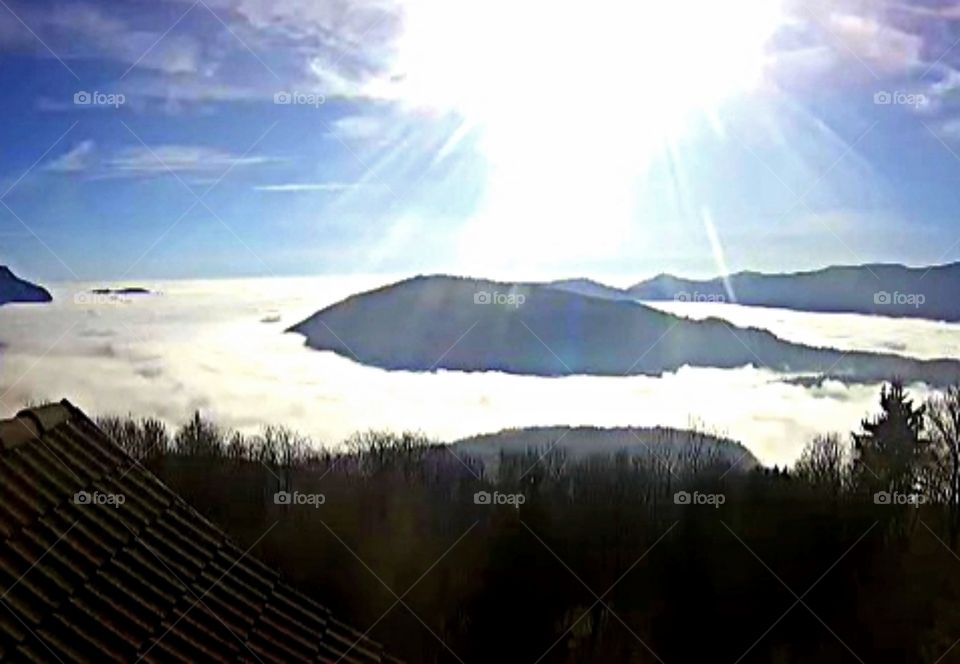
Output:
x=888 y=448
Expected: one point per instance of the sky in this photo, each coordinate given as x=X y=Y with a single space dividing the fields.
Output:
x=170 y=138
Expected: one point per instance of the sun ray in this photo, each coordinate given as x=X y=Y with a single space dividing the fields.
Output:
x=571 y=106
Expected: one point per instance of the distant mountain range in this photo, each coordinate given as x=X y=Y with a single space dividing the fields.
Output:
x=15 y=289
x=592 y=288
x=877 y=289
x=443 y=322
x=678 y=449
x=127 y=290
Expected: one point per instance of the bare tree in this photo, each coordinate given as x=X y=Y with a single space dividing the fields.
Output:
x=824 y=463
x=943 y=415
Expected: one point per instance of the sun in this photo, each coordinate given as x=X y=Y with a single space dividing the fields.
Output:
x=532 y=64
x=572 y=100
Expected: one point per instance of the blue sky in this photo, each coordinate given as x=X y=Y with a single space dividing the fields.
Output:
x=385 y=164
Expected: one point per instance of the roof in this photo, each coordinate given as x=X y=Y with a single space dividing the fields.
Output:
x=150 y=578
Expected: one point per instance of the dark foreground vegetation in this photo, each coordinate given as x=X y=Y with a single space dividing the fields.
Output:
x=851 y=555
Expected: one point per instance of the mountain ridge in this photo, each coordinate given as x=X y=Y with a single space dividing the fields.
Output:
x=883 y=289
x=15 y=289
x=429 y=323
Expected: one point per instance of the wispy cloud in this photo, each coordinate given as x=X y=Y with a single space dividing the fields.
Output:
x=157 y=160
x=949 y=130
x=140 y=161
x=358 y=127
x=182 y=53
x=87 y=31
x=77 y=159
x=299 y=187
x=216 y=51
x=884 y=47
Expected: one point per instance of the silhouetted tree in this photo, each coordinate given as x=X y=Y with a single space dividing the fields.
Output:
x=888 y=448
x=824 y=464
x=199 y=438
x=146 y=439
x=943 y=415
x=485 y=575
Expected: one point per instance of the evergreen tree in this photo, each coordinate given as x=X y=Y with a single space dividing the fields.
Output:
x=887 y=450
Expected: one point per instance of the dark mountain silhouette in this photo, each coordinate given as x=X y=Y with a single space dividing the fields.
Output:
x=15 y=289
x=879 y=289
x=442 y=322
x=576 y=443
x=129 y=290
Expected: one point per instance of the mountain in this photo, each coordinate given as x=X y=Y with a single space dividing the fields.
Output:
x=128 y=290
x=15 y=289
x=879 y=289
x=592 y=288
x=442 y=322
x=673 y=447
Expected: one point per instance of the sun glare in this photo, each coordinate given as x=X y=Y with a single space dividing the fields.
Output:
x=516 y=62
x=571 y=101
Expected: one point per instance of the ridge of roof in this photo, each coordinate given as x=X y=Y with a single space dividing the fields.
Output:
x=49 y=416
x=16 y=431
x=31 y=423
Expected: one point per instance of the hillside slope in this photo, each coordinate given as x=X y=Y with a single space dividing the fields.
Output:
x=678 y=449
x=441 y=322
x=15 y=289
x=879 y=289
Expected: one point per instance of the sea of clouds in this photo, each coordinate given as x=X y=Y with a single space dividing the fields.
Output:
x=219 y=346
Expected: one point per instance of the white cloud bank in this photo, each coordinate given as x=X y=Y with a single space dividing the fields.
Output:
x=219 y=346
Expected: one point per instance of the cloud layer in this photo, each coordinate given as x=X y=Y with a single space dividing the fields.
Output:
x=218 y=346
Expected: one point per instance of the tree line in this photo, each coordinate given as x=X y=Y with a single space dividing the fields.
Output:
x=850 y=554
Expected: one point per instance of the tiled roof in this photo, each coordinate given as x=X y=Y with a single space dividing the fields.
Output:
x=148 y=579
